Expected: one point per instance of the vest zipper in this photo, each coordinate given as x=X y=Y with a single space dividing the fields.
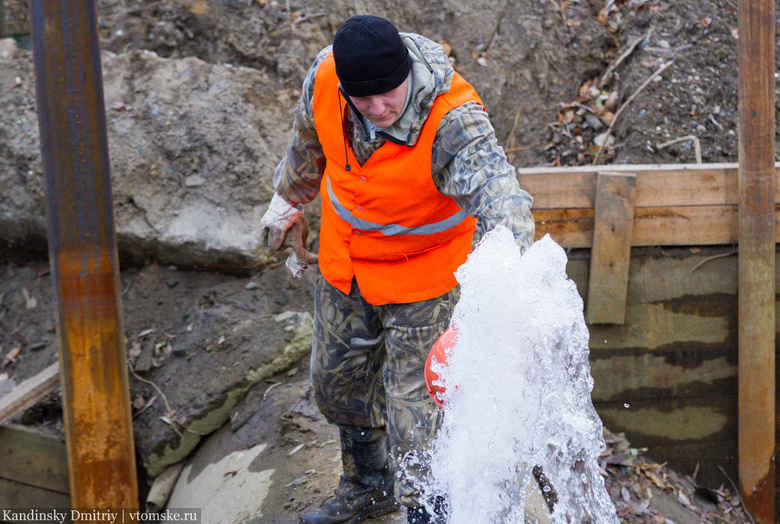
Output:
x=344 y=130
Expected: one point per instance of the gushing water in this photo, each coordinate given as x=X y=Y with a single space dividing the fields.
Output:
x=522 y=402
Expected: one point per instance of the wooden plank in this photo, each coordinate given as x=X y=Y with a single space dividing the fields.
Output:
x=651 y=327
x=568 y=227
x=757 y=256
x=24 y=497
x=671 y=226
x=671 y=274
x=34 y=459
x=666 y=374
x=685 y=226
x=29 y=392
x=614 y=224
x=657 y=185
x=704 y=419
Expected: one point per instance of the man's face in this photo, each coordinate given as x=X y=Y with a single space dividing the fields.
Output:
x=382 y=109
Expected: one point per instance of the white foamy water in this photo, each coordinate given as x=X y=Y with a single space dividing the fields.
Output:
x=523 y=398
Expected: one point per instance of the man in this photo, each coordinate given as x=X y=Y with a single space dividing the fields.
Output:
x=406 y=161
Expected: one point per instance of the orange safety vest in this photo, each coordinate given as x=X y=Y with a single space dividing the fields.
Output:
x=385 y=223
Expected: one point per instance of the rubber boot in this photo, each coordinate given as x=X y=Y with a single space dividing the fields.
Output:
x=420 y=514
x=366 y=489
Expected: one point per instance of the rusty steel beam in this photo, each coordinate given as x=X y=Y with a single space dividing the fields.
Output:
x=83 y=255
x=756 y=441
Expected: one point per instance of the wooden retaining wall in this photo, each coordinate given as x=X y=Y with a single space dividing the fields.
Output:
x=667 y=377
x=663 y=320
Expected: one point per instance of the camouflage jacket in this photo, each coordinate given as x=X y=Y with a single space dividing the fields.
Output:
x=468 y=164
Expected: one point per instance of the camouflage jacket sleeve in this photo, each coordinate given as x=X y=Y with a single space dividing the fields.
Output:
x=470 y=166
x=297 y=177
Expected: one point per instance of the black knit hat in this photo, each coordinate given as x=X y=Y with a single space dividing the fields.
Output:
x=370 y=57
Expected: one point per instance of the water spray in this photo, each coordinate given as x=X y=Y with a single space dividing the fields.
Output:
x=520 y=440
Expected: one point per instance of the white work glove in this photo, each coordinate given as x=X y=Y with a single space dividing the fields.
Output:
x=280 y=217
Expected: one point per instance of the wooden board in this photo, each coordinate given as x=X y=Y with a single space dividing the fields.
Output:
x=680 y=205
x=657 y=185
x=22 y=496
x=684 y=300
x=630 y=376
x=657 y=275
x=700 y=419
x=29 y=392
x=681 y=226
x=33 y=459
x=613 y=229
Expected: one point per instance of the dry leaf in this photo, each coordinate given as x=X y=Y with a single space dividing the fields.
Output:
x=654 y=478
x=682 y=497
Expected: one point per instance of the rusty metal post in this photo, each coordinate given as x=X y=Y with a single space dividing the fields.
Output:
x=757 y=257
x=83 y=255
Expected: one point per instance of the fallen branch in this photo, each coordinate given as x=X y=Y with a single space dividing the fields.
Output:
x=625 y=105
x=510 y=140
x=686 y=138
x=625 y=54
x=155 y=386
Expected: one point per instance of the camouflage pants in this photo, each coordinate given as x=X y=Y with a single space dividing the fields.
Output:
x=367 y=370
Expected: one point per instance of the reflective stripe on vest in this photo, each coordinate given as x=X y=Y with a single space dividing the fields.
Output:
x=394 y=229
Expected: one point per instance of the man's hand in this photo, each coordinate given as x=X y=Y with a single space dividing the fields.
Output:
x=296 y=238
x=279 y=218
x=301 y=257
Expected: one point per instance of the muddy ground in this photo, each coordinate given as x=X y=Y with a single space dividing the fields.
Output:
x=553 y=75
